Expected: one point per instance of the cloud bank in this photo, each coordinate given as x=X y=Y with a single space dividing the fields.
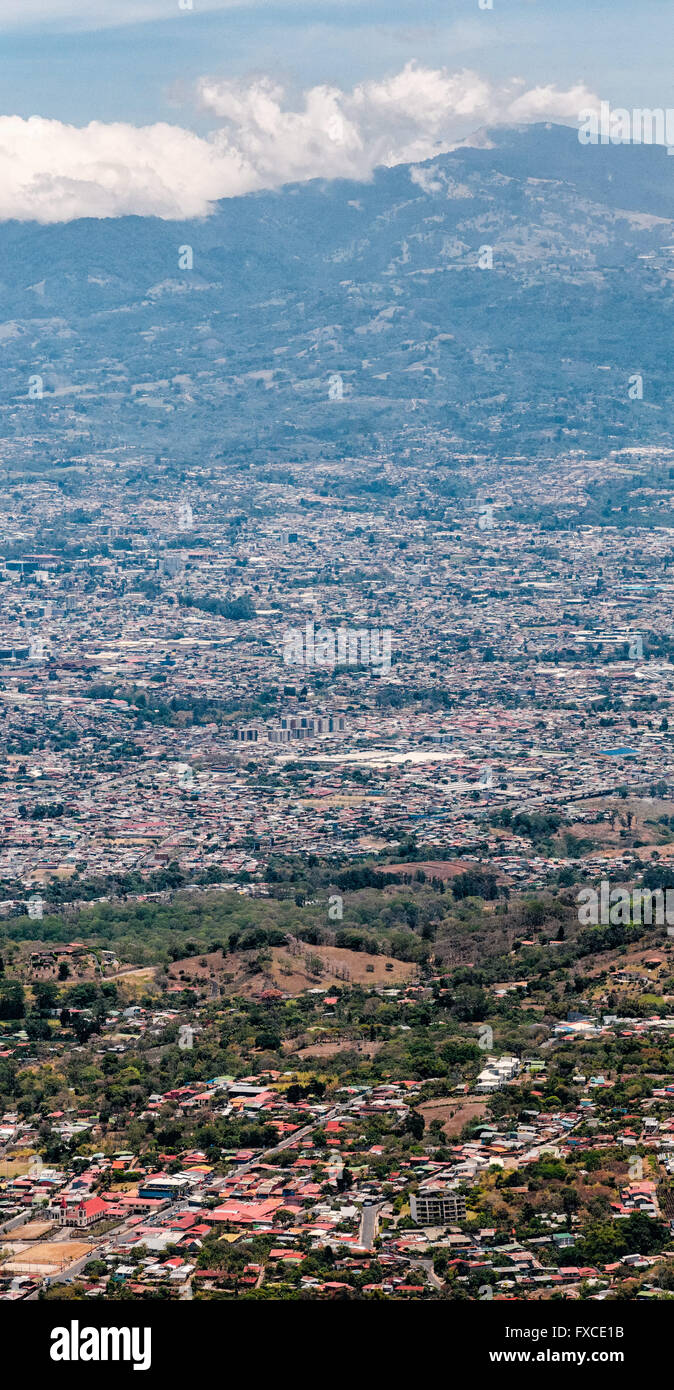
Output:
x=52 y=172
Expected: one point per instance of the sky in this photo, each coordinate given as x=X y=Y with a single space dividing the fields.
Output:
x=114 y=106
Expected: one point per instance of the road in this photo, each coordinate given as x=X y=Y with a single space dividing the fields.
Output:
x=427 y=1266
x=290 y=1140
x=368 y=1225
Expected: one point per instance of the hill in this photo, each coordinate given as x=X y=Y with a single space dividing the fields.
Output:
x=376 y=284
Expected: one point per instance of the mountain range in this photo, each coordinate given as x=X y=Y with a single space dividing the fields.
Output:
x=503 y=300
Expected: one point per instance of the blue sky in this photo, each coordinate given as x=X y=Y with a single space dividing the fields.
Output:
x=76 y=60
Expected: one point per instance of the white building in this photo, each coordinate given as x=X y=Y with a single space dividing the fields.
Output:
x=497 y=1073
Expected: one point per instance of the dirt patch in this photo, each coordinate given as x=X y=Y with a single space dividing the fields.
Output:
x=326 y=965
x=32 y=1230
x=452 y=1112
x=289 y=970
x=204 y=969
x=331 y=1049
x=18 y=1165
x=634 y=818
x=144 y=973
x=436 y=868
x=133 y=984
x=50 y=1256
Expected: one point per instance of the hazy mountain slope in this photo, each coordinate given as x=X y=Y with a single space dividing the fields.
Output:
x=377 y=282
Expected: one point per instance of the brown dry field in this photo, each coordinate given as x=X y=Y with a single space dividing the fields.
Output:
x=642 y=810
x=52 y=1252
x=32 y=1230
x=454 y=1112
x=290 y=973
x=356 y=963
x=202 y=968
x=133 y=984
x=17 y=1166
x=331 y=1049
x=135 y=972
x=434 y=868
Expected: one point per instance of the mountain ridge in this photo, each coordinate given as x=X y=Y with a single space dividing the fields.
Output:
x=378 y=283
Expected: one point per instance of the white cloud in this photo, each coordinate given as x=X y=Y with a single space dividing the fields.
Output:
x=51 y=172
x=417 y=113
x=546 y=103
